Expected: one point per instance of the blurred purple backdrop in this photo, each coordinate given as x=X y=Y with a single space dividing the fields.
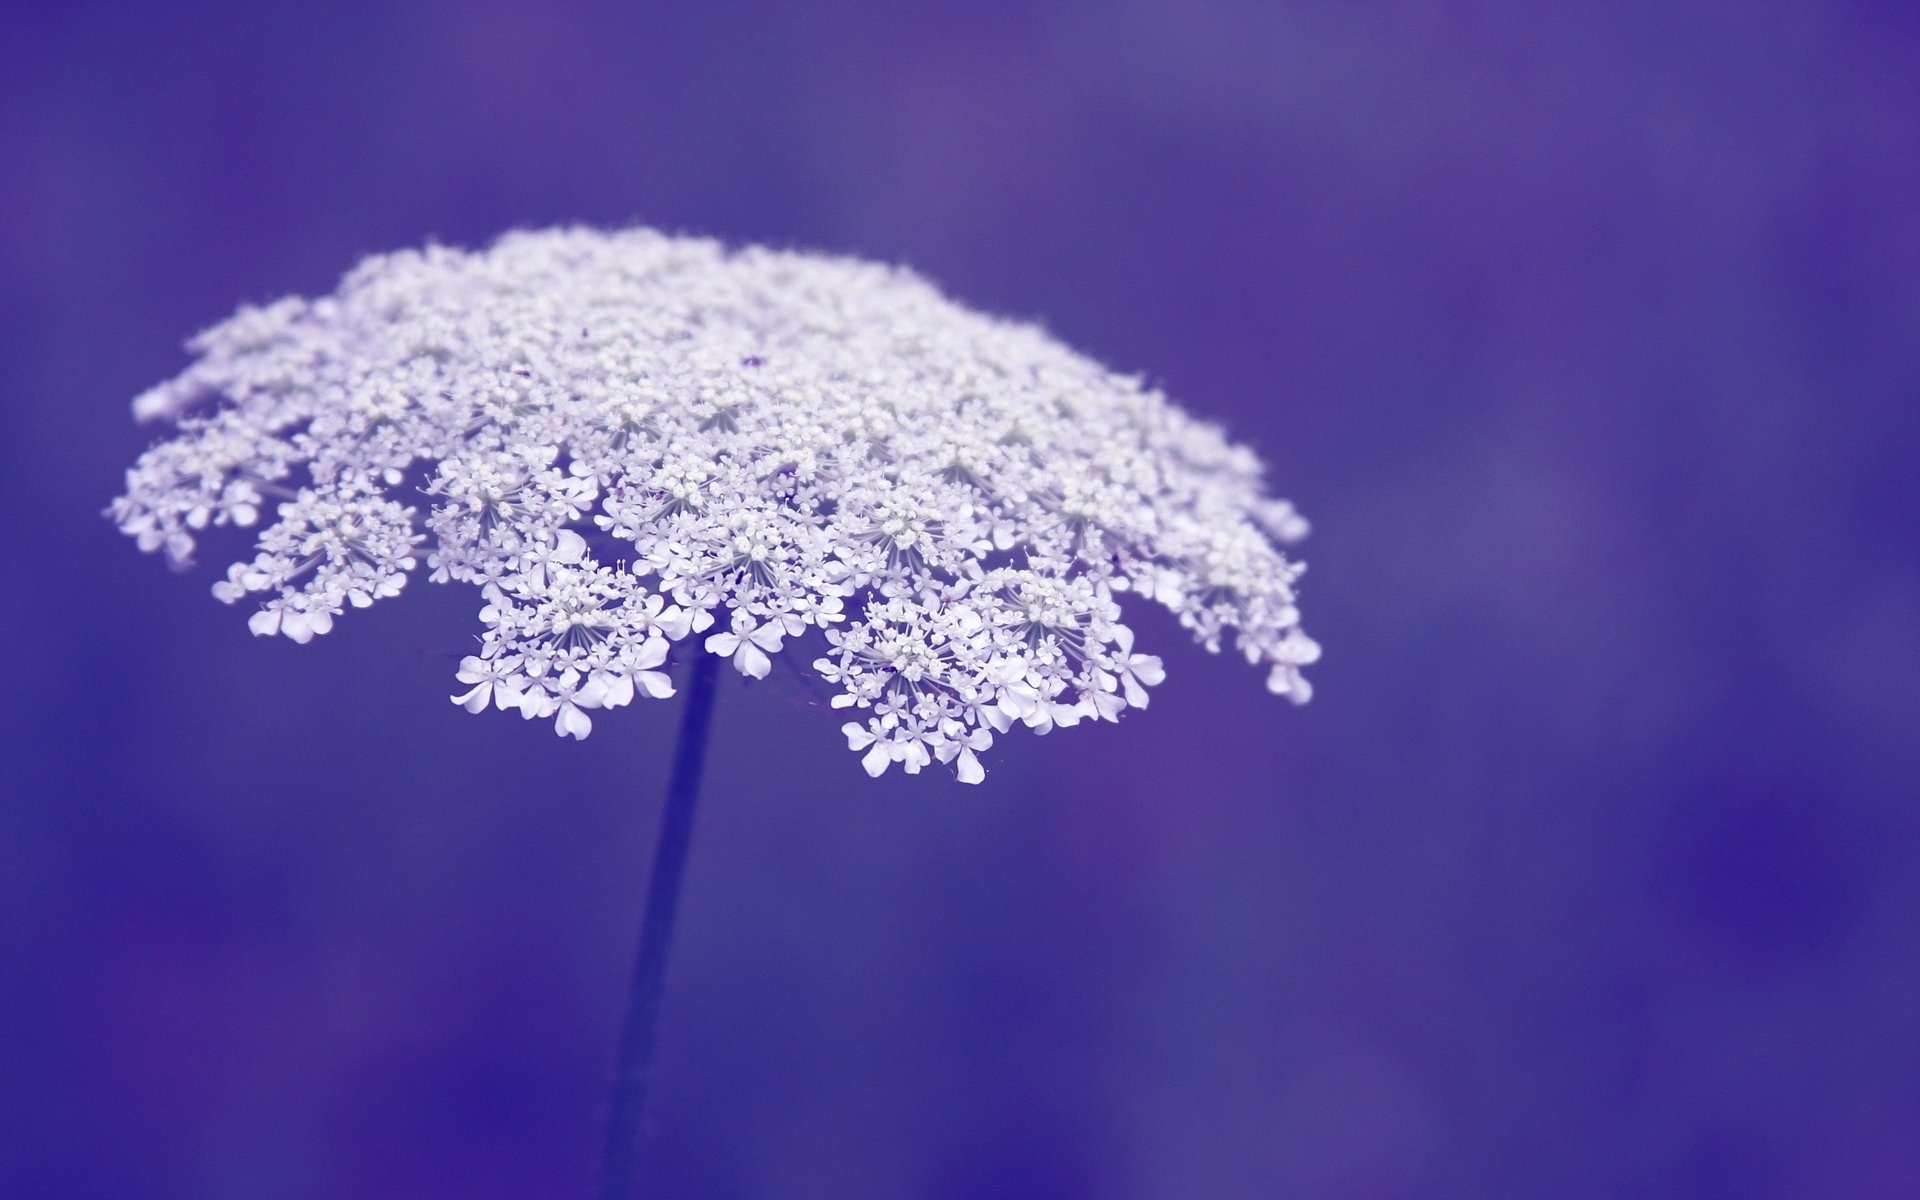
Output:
x=1588 y=337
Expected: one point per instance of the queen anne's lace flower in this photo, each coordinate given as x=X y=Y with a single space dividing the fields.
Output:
x=628 y=439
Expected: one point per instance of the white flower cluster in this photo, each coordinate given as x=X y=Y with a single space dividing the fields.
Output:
x=626 y=439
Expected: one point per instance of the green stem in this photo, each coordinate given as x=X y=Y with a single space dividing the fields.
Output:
x=619 y=1174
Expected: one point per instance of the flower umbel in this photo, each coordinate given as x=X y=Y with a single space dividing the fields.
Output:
x=626 y=439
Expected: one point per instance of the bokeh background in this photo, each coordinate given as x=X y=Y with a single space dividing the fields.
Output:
x=1589 y=338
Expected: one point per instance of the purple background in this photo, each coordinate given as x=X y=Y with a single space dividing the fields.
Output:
x=1588 y=337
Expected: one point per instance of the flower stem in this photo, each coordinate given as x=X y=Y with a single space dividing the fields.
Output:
x=624 y=1135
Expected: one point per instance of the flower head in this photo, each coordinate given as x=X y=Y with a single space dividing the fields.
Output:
x=626 y=439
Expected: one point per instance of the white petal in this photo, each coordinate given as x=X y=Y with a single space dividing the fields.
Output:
x=1299 y=649
x=876 y=760
x=571 y=722
x=654 y=683
x=970 y=769
x=651 y=653
x=749 y=661
x=611 y=691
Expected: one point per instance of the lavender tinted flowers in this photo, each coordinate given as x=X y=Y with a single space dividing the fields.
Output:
x=627 y=440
